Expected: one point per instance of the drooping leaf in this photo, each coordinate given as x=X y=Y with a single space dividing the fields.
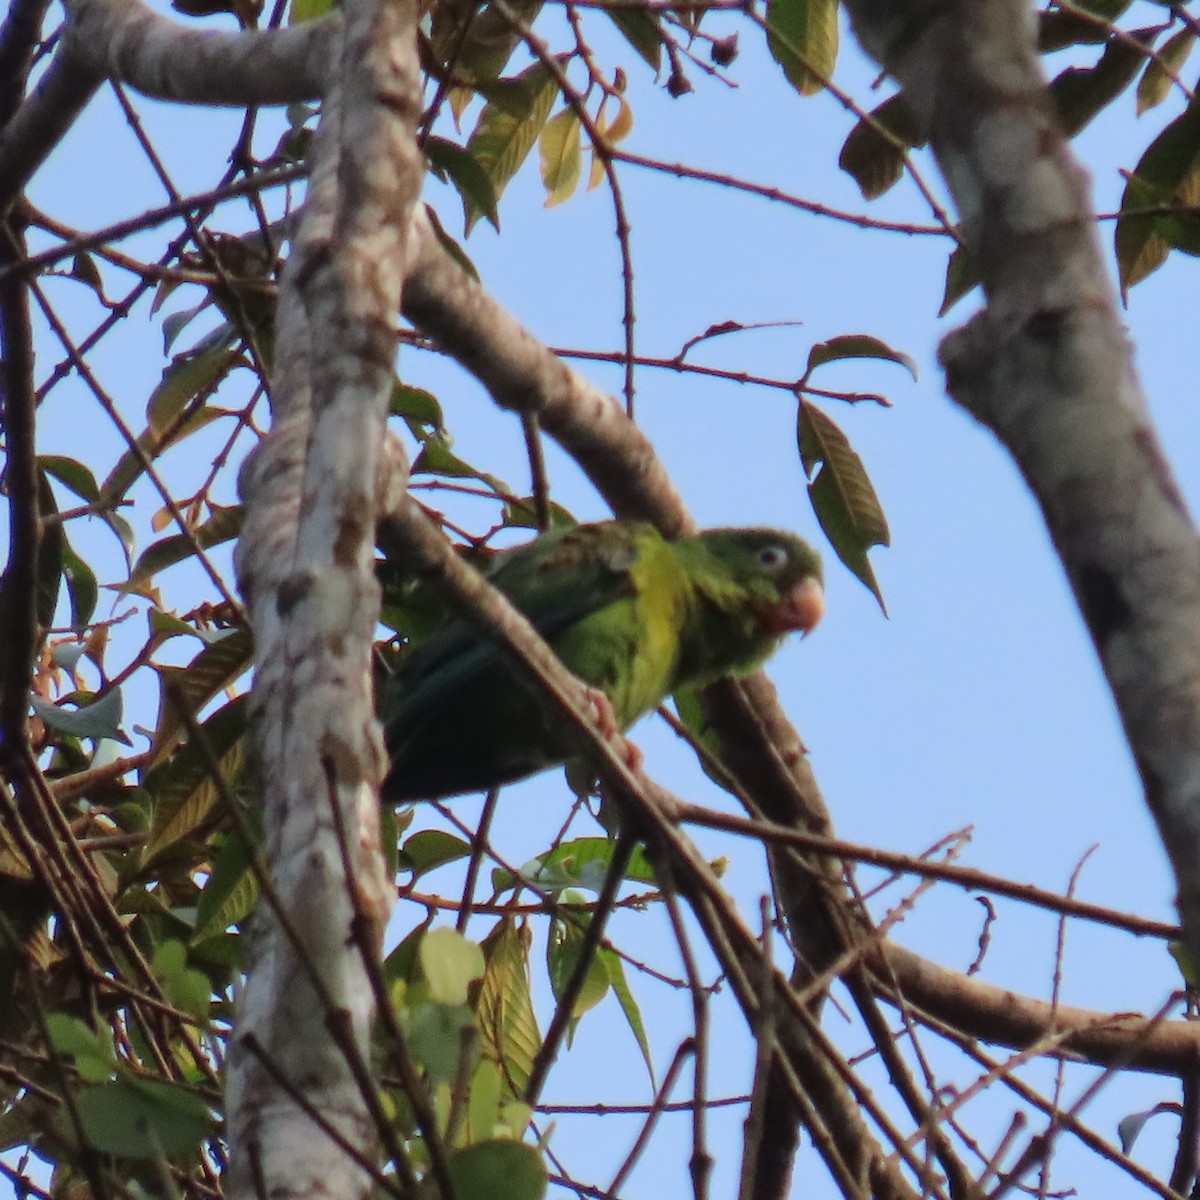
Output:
x=419 y=408
x=1163 y=71
x=1079 y=93
x=182 y=789
x=463 y=170
x=842 y=494
x=962 y=277
x=1059 y=28
x=1130 y=1127
x=561 y=157
x=508 y=128
x=218 y=666
x=642 y=30
x=563 y=946
x=188 y=377
x=1166 y=174
x=72 y=474
x=582 y=862
x=874 y=161
x=802 y=36
x=629 y=1006
x=504 y=1008
x=232 y=888
x=436 y=458
x=82 y=588
x=223 y=526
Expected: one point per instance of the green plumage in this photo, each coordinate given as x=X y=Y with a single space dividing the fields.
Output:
x=630 y=613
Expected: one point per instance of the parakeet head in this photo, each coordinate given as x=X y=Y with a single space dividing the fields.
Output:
x=781 y=575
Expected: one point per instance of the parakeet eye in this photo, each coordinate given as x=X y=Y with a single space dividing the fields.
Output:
x=772 y=557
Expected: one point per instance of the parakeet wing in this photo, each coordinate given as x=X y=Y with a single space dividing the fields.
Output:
x=556 y=581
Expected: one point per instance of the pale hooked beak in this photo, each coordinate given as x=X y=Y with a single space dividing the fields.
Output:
x=802 y=608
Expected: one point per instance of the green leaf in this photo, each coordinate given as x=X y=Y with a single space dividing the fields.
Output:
x=856 y=345
x=129 y=468
x=508 y=127
x=431 y=848
x=435 y=1036
x=464 y=171
x=802 y=36
x=841 y=493
x=83 y=268
x=188 y=377
x=223 y=526
x=182 y=789
x=72 y=474
x=483 y=1104
x=504 y=1008
x=629 y=1006
x=1167 y=173
x=82 y=588
x=308 y=10
x=183 y=986
x=437 y=459
x=1079 y=93
x=522 y=514
x=450 y=964
x=1156 y=81
x=93 y=1053
x=962 y=276
x=876 y=162
x=563 y=947
x=218 y=666
x=642 y=30
x=232 y=888
x=561 y=157
x=1060 y=28
x=419 y=408
x=582 y=862
x=503 y=1169
x=142 y=1118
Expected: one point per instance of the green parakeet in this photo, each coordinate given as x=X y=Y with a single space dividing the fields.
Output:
x=630 y=613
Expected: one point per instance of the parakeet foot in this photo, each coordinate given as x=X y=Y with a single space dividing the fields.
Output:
x=605 y=719
x=603 y=715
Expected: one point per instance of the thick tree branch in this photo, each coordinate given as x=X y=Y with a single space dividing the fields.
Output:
x=126 y=41
x=1047 y=367
x=130 y=43
x=306 y=567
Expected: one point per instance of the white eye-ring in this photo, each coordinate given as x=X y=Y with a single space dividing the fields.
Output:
x=772 y=557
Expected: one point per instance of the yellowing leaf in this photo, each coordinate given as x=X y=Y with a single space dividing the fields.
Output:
x=562 y=161
x=841 y=493
x=802 y=36
x=508 y=127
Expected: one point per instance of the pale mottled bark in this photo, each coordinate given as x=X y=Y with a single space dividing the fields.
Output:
x=1046 y=365
x=306 y=566
x=126 y=41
